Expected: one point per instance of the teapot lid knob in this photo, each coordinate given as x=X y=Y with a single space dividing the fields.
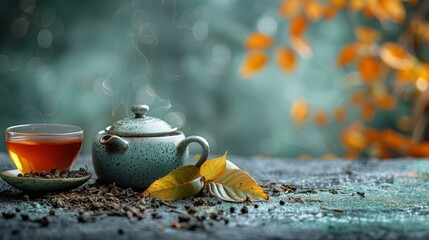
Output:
x=140 y=110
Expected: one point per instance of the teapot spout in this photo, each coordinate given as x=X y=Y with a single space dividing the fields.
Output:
x=114 y=143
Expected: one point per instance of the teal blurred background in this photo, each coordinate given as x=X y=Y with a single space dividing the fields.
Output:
x=87 y=62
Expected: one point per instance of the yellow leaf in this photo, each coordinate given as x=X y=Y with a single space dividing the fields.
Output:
x=253 y=63
x=395 y=56
x=213 y=168
x=230 y=165
x=235 y=185
x=286 y=59
x=258 y=40
x=181 y=183
x=347 y=55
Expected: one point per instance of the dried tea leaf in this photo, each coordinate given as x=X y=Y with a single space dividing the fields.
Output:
x=286 y=59
x=236 y=185
x=258 y=40
x=253 y=63
x=181 y=183
x=369 y=69
x=395 y=56
x=347 y=55
x=212 y=168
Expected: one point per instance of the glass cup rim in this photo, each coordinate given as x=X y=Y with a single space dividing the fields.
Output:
x=78 y=131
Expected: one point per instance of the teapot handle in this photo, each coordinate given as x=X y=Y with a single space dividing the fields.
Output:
x=202 y=142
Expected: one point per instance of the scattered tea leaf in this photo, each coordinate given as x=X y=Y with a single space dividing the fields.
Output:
x=236 y=185
x=181 y=183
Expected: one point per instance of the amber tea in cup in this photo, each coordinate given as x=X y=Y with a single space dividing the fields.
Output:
x=37 y=147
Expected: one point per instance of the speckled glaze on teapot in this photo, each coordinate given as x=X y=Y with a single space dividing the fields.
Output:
x=134 y=152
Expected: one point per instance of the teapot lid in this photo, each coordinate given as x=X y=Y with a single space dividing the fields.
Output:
x=140 y=125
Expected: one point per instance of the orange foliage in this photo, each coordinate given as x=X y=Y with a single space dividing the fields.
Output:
x=369 y=69
x=347 y=55
x=253 y=63
x=299 y=111
x=366 y=35
x=340 y=114
x=258 y=40
x=314 y=10
x=321 y=118
x=297 y=26
x=373 y=60
x=395 y=56
x=285 y=59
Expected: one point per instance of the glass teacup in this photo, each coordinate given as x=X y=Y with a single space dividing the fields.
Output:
x=43 y=147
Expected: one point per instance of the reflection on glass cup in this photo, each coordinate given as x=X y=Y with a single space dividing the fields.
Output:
x=37 y=147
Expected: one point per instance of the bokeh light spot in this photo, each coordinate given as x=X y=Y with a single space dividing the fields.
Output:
x=4 y=63
x=19 y=28
x=44 y=38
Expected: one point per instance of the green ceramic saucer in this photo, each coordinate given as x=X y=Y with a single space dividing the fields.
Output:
x=41 y=184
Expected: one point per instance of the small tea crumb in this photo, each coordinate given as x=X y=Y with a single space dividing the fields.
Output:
x=244 y=210
x=8 y=215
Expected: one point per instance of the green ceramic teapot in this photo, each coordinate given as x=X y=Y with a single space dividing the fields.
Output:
x=136 y=151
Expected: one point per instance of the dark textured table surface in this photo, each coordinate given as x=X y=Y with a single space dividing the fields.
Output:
x=392 y=203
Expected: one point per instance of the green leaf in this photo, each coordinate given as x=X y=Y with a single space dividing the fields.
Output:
x=235 y=185
x=181 y=183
